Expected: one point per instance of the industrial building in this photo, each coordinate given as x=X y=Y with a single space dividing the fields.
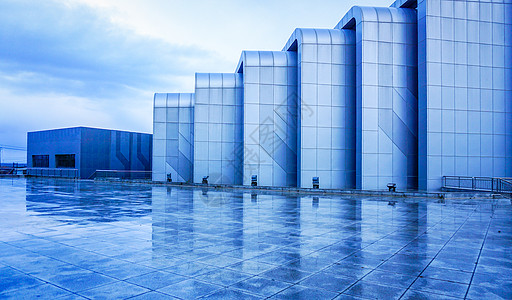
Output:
x=404 y=94
x=79 y=152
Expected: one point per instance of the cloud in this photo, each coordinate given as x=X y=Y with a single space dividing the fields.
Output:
x=71 y=48
x=65 y=64
x=21 y=114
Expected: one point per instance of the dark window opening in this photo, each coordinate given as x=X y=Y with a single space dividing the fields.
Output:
x=40 y=161
x=65 y=161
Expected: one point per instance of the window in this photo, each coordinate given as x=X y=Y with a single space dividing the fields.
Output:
x=65 y=161
x=40 y=161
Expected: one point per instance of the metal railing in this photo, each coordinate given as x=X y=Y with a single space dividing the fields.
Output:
x=483 y=184
x=50 y=172
x=16 y=169
x=121 y=174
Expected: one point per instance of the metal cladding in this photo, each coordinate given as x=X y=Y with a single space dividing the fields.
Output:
x=386 y=95
x=270 y=117
x=465 y=89
x=218 y=124
x=89 y=150
x=403 y=95
x=173 y=139
x=326 y=89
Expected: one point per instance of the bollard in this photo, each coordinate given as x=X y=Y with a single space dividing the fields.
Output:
x=205 y=179
x=392 y=187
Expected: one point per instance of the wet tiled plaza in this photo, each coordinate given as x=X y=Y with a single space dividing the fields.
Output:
x=69 y=239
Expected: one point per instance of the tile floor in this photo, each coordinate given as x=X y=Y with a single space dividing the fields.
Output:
x=64 y=239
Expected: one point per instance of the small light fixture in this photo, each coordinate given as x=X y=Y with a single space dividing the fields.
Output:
x=316 y=182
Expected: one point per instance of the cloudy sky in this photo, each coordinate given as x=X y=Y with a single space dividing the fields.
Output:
x=97 y=63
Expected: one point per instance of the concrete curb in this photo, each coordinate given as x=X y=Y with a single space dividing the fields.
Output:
x=304 y=191
x=310 y=191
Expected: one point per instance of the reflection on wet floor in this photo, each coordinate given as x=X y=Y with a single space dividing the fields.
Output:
x=62 y=238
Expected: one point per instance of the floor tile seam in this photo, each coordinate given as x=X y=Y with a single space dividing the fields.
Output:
x=40 y=279
x=298 y=284
x=87 y=269
x=314 y=273
x=159 y=290
x=384 y=237
x=230 y=287
x=259 y=295
x=320 y=288
x=383 y=262
x=131 y=297
x=225 y=269
x=98 y=286
x=434 y=293
x=235 y=270
x=266 y=253
x=449 y=280
x=132 y=283
x=217 y=269
x=45 y=255
x=151 y=289
x=355 y=297
x=433 y=258
x=479 y=254
x=28 y=274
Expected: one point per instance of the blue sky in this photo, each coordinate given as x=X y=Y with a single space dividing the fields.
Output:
x=97 y=63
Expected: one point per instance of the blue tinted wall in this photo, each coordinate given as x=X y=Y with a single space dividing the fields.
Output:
x=465 y=85
x=218 y=124
x=270 y=117
x=386 y=95
x=326 y=106
x=52 y=142
x=93 y=149
x=403 y=95
x=173 y=139
x=465 y=97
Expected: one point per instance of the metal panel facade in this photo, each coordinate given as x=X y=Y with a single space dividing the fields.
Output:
x=173 y=137
x=93 y=148
x=270 y=117
x=386 y=97
x=326 y=90
x=218 y=126
x=402 y=95
x=465 y=89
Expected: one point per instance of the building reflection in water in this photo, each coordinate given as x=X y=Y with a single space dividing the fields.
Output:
x=81 y=202
x=298 y=234
x=196 y=223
